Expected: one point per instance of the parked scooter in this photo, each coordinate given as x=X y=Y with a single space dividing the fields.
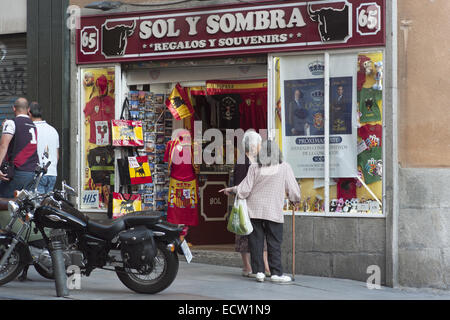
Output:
x=140 y=247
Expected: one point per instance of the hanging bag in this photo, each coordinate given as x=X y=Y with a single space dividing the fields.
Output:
x=239 y=220
x=134 y=169
x=127 y=133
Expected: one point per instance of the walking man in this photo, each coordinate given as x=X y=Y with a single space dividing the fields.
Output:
x=18 y=147
x=47 y=148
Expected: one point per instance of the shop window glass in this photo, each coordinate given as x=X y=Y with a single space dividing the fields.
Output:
x=97 y=155
x=355 y=118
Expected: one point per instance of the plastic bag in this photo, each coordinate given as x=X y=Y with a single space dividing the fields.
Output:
x=239 y=220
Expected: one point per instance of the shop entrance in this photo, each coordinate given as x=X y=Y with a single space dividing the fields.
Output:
x=245 y=109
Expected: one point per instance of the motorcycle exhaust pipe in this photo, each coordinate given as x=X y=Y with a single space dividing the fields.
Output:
x=59 y=269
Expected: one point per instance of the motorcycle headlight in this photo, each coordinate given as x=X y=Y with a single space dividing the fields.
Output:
x=13 y=207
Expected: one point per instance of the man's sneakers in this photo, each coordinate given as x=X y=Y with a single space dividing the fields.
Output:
x=280 y=279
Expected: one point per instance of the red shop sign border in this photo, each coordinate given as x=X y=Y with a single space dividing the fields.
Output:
x=280 y=26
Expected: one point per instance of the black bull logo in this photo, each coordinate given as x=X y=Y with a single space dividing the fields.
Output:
x=115 y=39
x=333 y=23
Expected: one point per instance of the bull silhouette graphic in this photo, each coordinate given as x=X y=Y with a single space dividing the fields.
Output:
x=126 y=206
x=177 y=102
x=333 y=23
x=115 y=39
x=140 y=171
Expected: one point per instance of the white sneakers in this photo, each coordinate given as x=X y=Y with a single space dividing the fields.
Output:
x=280 y=279
x=260 y=277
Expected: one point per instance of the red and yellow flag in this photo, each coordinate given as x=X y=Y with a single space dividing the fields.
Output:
x=179 y=103
x=214 y=87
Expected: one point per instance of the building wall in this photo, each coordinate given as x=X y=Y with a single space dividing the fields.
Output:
x=14 y=19
x=424 y=218
x=335 y=247
x=423 y=71
x=13 y=54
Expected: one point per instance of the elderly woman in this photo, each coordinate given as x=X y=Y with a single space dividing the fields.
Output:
x=265 y=186
x=251 y=143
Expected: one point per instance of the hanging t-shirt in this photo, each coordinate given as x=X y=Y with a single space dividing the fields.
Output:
x=181 y=167
x=368 y=104
x=229 y=117
x=253 y=111
x=371 y=135
x=346 y=188
x=371 y=164
x=99 y=109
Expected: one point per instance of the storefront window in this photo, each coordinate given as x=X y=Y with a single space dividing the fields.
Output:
x=353 y=184
x=97 y=155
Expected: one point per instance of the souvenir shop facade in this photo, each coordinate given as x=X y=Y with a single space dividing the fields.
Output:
x=310 y=75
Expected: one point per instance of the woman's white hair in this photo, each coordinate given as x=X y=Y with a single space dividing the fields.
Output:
x=251 y=140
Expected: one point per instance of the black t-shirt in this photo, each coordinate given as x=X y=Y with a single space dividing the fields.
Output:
x=228 y=107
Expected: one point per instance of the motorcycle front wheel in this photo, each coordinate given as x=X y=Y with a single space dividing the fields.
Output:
x=14 y=264
x=162 y=274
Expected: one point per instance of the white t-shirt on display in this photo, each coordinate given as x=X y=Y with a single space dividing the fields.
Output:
x=47 y=137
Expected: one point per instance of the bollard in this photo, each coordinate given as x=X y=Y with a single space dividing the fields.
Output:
x=59 y=269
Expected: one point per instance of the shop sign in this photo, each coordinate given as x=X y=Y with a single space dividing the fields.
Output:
x=231 y=30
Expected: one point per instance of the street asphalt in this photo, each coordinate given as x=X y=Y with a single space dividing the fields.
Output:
x=197 y=281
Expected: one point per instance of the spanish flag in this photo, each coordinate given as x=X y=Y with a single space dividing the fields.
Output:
x=214 y=87
x=179 y=103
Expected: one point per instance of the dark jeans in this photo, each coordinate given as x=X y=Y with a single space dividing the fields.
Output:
x=21 y=180
x=274 y=236
x=46 y=184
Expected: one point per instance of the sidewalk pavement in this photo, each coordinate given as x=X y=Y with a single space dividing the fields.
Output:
x=197 y=281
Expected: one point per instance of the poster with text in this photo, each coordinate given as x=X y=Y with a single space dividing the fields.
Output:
x=303 y=117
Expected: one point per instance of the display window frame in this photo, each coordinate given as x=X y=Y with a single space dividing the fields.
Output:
x=81 y=132
x=279 y=137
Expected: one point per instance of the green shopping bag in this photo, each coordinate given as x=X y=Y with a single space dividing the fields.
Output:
x=238 y=220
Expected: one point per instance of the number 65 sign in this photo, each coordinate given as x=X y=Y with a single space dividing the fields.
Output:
x=369 y=19
x=89 y=40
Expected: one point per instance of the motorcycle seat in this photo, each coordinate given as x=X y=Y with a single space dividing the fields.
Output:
x=105 y=230
x=147 y=218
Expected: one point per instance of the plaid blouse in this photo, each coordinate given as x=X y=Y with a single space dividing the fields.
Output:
x=265 y=189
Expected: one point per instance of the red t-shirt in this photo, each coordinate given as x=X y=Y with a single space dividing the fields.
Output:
x=346 y=188
x=181 y=167
x=253 y=111
x=371 y=134
x=99 y=109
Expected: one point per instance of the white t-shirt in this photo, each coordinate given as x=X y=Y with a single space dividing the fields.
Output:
x=47 y=137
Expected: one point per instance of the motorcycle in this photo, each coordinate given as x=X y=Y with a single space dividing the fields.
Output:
x=140 y=247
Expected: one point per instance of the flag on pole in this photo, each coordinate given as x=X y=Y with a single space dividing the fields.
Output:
x=179 y=103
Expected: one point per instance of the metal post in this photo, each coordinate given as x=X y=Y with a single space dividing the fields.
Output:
x=293 y=242
x=59 y=269
x=327 y=130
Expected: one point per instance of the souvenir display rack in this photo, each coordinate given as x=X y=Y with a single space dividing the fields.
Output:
x=149 y=108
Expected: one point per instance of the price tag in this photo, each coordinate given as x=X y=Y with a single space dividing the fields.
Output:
x=133 y=163
x=362 y=146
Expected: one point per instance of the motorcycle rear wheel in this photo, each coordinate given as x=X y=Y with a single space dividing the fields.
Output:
x=166 y=260
x=13 y=267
